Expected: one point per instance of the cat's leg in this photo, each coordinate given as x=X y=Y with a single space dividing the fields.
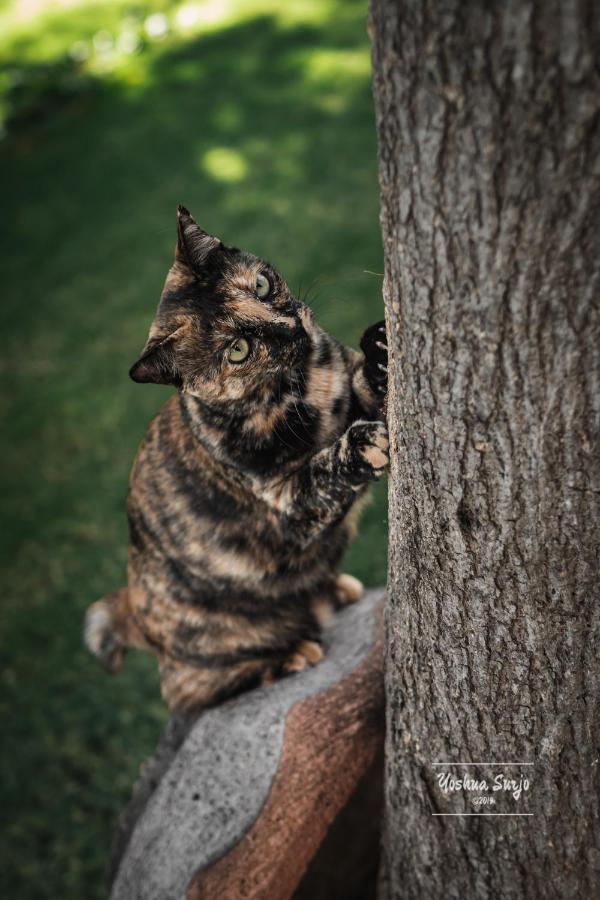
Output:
x=186 y=688
x=322 y=492
x=189 y=689
x=206 y=656
x=109 y=629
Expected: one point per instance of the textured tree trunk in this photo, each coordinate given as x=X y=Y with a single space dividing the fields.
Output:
x=488 y=123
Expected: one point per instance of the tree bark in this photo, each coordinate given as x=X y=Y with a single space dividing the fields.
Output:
x=488 y=120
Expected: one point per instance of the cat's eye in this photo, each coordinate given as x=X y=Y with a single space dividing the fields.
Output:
x=263 y=286
x=238 y=351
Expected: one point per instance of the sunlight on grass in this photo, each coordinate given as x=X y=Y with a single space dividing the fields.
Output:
x=41 y=29
x=322 y=66
x=211 y=12
x=73 y=39
x=225 y=164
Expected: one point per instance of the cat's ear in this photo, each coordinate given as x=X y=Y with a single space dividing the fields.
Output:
x=158 y=363
x=193 y=244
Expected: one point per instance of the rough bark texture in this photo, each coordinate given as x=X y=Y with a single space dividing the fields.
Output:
x=488 y=123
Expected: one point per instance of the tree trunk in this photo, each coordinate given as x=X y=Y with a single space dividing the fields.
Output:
x=488 y=123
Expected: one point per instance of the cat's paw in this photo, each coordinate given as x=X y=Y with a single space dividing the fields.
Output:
x=307 y=653
x=365 y=451
x=348 y=589
x=374 y=345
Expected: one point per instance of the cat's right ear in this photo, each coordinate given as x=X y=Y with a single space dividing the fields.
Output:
x=194 y=245
x=158 y=362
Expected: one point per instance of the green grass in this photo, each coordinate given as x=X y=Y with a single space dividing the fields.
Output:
x=261 y=122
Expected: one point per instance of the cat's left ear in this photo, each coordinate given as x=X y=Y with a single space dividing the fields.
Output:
x=194 y=245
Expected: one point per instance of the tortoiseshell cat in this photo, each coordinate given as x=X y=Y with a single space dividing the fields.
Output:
x=245 y=491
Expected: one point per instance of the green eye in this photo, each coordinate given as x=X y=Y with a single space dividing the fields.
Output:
x=263 y=286
x=238 y=351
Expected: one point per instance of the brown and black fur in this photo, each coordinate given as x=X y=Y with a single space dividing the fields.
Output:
x=245 y=491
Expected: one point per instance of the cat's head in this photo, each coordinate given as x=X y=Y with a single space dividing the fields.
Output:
x=227 y=327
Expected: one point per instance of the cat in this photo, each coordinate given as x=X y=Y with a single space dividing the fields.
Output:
x=246 y=489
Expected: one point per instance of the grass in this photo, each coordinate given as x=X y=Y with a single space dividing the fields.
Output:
x=260 y=120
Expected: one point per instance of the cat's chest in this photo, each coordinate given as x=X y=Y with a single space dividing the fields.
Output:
x=245 y=536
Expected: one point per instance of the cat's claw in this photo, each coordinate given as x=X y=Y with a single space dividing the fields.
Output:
x=376 y=357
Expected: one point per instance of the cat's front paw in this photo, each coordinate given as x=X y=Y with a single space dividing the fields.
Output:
x=364 y=451
x=374 y=345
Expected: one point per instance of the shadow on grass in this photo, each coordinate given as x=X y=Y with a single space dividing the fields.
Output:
x=266 y=133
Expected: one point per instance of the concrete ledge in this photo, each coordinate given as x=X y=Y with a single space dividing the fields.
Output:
x=237 y=803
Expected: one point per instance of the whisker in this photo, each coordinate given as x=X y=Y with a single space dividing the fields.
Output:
x=281 y=438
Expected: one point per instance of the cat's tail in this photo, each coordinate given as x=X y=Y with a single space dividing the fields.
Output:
x=103 y=632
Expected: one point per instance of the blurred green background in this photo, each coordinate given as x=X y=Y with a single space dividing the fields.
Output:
x=257 y=115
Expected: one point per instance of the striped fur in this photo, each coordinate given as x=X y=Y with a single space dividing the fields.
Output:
x=246 y=489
